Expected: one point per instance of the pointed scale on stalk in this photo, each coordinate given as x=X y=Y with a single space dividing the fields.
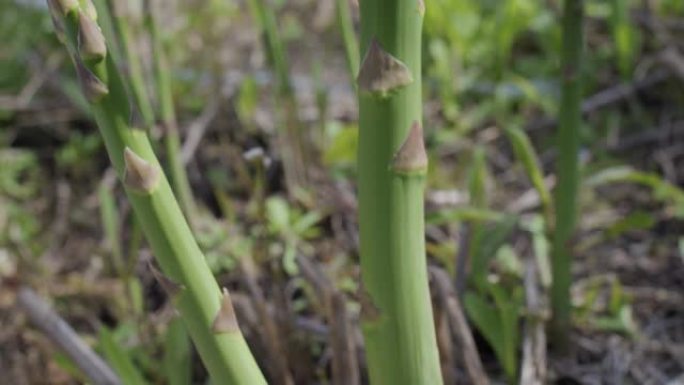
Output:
x=140 y=175
x=170 y=287
x=381 y=73
x=91 y=41
x=411 y=158
x=92 y=87
x=225 y=321
x=88 y=8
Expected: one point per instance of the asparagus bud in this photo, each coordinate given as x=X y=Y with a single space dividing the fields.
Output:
x=91 y=41
x=170 y=287
x=89 y=9
x=93 y=88
x=382 y=73
x=140 y=175
x=225 y=321
x=411 y=157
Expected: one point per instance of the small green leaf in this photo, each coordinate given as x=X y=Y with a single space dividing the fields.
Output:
x=638 y=220
x=177 y=359
x=524 y=151
x=278 y=213
x=119 y=359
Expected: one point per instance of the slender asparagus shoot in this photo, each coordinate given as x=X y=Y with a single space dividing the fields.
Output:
x=186 y=276
x=167 y=113
x=397 y=316
x=351 y=45
x=136 y=81
x=293 y=148
x=567 y=170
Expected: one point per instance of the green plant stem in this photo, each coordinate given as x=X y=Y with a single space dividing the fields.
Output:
x=167 y=113
x=265 y=17
x=351 y=45
x=188 y=279
x=567 y=171
x=293 y=147
x=397 y=316
x=136 y=82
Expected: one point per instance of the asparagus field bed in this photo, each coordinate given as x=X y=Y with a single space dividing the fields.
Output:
x=52 y=237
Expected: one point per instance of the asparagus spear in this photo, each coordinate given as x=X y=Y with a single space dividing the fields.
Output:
x=206 y=311
x=568 y=169
x=397 y=314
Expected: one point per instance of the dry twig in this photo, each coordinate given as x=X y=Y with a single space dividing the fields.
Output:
x=55 y=328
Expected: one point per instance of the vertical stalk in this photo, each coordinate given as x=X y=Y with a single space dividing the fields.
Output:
x=167 y=114
x=567 y=170
x=293 y=146
x=120 y=15
x=351 y=46
x=397 y=316
x=207 y=312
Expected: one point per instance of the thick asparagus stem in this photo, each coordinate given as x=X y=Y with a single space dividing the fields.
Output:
x=397 y=314
x=187 y=277
x=568 y=170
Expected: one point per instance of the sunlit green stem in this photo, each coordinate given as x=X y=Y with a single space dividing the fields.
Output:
x=397 y=316
x=567 y=170
x=187 y=279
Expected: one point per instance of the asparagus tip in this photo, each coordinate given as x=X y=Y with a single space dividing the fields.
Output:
x=382 y=73
x=421 y=7
x=139 y=174
x=411 y=157
x=91 y=41
x=225 y=321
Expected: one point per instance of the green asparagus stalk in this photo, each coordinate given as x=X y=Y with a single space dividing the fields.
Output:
x=136 y=82
x=567 y=170
x=167 y=113
x=397 y=316
x=206 y=311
